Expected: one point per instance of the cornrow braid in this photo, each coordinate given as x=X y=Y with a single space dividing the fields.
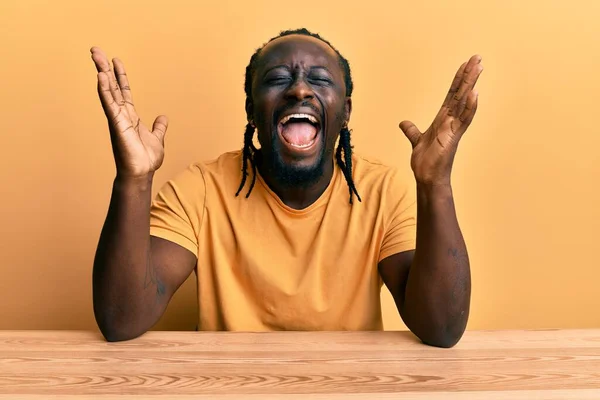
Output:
x=345 y=164
x=248 y=156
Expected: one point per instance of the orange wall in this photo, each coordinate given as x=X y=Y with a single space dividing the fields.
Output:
x=526 y=177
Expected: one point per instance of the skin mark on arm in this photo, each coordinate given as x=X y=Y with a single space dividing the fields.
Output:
x=152 y=278
x=460 y=261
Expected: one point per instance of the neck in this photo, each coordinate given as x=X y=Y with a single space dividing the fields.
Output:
x=297 y=197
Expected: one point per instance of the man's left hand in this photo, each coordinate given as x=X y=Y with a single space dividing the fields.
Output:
x=434 y=149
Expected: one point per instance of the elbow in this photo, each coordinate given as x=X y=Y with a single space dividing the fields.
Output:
x=117 y=336
x=446 y=341
x=113 y=333
x=442 y=330
x=444 y=334
x=443 y=337
x=116 y=329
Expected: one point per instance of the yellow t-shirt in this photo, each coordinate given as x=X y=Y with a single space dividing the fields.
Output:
x=265 y=266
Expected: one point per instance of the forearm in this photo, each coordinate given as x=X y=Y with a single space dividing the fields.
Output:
x=438 y=289
x=127 y=293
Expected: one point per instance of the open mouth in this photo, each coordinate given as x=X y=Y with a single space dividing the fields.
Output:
x=299 y=131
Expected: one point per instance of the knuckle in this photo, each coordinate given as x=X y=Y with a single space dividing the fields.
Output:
x=453 y=128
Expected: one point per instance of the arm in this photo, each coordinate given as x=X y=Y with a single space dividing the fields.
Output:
x=134 y=274
x=432 y=285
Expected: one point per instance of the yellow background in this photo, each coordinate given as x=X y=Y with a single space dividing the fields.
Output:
x=526 y=176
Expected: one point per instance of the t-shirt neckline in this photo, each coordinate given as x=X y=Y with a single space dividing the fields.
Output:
x=322 y=198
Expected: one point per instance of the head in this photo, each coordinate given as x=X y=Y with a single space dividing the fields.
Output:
x=298 y=98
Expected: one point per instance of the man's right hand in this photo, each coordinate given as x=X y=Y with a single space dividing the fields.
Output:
x=138 y=151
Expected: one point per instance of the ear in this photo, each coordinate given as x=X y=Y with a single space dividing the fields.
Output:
x=249 y=109
x=347 y=110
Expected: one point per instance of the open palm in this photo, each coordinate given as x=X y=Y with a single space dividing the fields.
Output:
x=434 y=149
x=138 y=151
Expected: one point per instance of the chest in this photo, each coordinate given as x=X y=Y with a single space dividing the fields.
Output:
x=295 y=270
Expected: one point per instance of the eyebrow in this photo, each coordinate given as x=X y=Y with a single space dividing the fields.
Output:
x=321 y=67
x=275 y=67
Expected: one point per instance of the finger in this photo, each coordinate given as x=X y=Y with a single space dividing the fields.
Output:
x=460 y=107
x=411 y=131
x=460 y=125
x=470 y=76
x=100 y=59
x=159 y=128
x=116 y=115
x=111 y=108
x=102 y=65
x=469 y=112
x=445 y=110
x=123 y=82
x=455 y=84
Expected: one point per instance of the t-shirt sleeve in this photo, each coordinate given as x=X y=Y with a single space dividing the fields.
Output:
x=177 y=210
x=400 y=221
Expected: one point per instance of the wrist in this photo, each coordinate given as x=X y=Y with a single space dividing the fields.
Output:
x=434 y=190
x=138 y=183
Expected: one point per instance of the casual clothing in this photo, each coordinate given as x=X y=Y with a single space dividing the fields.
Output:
x=265 y=266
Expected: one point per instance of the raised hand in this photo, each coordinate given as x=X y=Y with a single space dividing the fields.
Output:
x=434 y=149
x=138 y=151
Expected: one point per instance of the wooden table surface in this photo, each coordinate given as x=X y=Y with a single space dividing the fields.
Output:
x=547 y=364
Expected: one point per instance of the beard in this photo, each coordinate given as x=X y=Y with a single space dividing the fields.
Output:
x=293 y=175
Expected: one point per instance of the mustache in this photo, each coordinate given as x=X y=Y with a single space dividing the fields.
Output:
x=303 y=104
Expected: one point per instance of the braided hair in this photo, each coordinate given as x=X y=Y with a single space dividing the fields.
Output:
x=343 y=153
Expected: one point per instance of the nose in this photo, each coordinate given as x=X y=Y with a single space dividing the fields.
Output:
x=299 y=90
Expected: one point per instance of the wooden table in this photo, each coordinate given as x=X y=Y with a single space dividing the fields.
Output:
x=548 y=364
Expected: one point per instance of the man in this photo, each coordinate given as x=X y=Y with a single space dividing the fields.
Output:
x=315 y=231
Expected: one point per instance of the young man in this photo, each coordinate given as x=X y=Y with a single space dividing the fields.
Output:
x=296 y=234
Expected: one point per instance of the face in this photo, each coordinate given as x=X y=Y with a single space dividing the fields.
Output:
x=298 y=105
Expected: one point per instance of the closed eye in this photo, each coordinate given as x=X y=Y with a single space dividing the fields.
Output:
x=321 y=81
x=278 y=79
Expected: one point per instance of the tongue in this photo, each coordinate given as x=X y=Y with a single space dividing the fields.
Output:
x=298 y=133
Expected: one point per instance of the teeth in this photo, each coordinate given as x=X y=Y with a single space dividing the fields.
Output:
x=298 y=116
x=301 y=146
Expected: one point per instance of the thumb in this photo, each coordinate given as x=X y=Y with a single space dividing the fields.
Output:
x=159 y=128
x=411 y=131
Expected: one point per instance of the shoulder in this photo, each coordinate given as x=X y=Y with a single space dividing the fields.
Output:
x=371 y=172
x=222 y=164
x=389 y=184
x=224 y=173
x=199 y=175
x=226 y=165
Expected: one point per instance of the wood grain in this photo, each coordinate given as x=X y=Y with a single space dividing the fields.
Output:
x=548 y=364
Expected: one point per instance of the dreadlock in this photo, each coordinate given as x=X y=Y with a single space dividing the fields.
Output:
x=249 y=151
x=248 y=156
x=346 y=164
